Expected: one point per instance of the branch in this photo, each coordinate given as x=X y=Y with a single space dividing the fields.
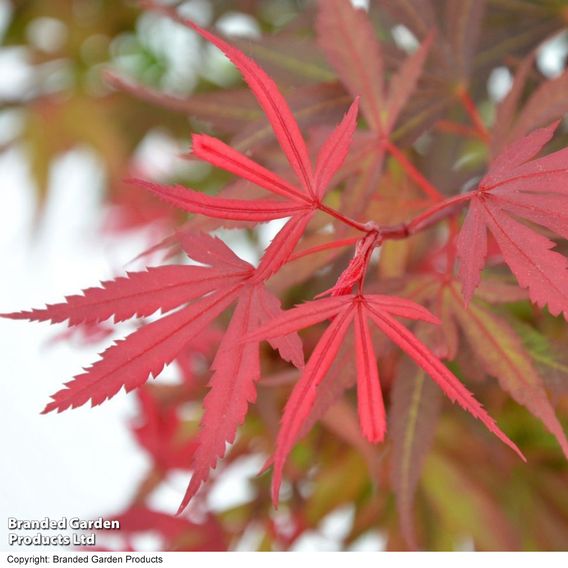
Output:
x=427 y=219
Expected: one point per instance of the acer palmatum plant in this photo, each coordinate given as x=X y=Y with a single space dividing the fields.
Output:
x=352 y=184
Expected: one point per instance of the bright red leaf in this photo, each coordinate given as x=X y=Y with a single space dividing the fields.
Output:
x=343 y=310
x=518 y=187
x=210 y=289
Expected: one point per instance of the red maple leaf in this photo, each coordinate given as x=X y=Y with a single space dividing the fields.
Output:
x=519 y=187
x=358 y=310
x=209 y=290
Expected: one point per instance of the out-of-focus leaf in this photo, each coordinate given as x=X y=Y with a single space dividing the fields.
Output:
x=289 y=58
x=178 y=534
x=464 y=506
x=545 y=105
x=548 y=356
x=415 y=405
x=342 y=483
x=350 y=43
x=312 y=105
x=500 y=351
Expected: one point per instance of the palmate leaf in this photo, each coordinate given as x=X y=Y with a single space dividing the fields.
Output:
x=344 y=310
x=358 y=60
x=130 y=362
x=457 y=27
x=518 y=187
x=330 y=159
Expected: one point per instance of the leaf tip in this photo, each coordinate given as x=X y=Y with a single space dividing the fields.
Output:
x=374 y=436
x=266 y=466
x=49 y=407
x=511 y=444
x=14 y=315
x=276 y=482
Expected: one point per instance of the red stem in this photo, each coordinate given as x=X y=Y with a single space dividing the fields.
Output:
x=348 y=221
x=426 y=219
x=421 y=222
x=471 y=110
x=458 y=129
x=429 y=189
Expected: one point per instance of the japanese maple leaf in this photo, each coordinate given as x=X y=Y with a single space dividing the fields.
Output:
x=208 y=291
x=297 y=201
x=358 y=310
x=519 y=187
